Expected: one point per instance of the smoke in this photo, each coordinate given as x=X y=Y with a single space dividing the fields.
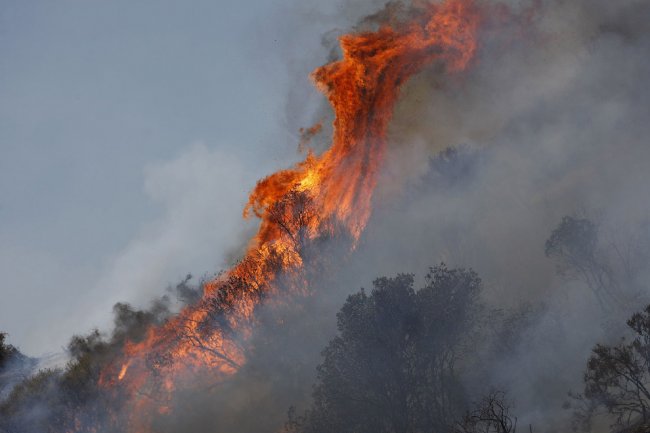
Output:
x=200 y=194
x=553 y=123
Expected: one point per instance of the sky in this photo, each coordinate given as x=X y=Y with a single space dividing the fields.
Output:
x=130 y=135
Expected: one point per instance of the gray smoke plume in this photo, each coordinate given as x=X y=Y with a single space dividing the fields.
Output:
x=549 y=124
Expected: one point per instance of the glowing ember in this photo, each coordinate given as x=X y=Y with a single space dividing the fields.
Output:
x=123 y=371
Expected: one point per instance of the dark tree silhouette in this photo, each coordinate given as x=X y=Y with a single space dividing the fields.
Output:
x=7 y=351
x=573 y=244
x=391 y=368
x=618 y=378
x=57 y=400
x=14 y=366
x=491 y=415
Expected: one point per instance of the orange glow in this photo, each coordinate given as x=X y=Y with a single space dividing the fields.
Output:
x=323 y=195
x=123 y=370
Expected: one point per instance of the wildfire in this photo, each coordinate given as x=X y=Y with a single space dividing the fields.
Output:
x=320 y=196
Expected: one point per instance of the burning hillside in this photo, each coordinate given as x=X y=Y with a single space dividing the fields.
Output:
x=325 y=195
x=496 y=141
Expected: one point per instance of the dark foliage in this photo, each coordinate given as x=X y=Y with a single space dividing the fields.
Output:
x=14 y=366
x=7 y=351
x=391 y=368
x=56 y=400
x=618 y=378
x=491 y=415
x=8 y=355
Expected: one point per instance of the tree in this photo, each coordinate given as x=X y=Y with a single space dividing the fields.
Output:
x=491 y=415
x=574 y=246
x=34 y=405
x=71 y=398
x=14 y=366
x=7 y=351
x=618 y=377
x=391 y=368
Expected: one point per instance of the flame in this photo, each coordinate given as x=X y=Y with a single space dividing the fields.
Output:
x=123 y=371
x=323 y=195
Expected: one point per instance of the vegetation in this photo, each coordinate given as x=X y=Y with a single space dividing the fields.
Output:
x=491 y=415
x=52 y=399
x=574 y=246
x=7 y=351
x=617 y=378
x=392 y=366
x=403 y=359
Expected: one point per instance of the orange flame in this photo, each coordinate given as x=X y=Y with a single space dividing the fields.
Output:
x=123 y=371
x=319 y=196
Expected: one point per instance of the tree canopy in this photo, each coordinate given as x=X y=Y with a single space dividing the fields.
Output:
x=391 y=367
x=617 y=378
